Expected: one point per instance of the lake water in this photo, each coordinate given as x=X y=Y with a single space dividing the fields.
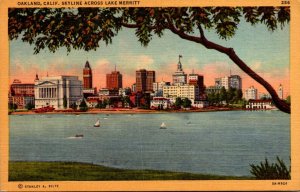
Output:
x=223 y=143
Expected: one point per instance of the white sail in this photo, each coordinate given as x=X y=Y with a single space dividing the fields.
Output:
x=97 y=124
x=163 y=125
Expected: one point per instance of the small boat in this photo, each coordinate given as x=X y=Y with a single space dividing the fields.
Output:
x=78 y=135
x=163 y=126
x=97 y=124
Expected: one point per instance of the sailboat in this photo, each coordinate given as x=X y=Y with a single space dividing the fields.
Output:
x=97 y=124
x=163 y=126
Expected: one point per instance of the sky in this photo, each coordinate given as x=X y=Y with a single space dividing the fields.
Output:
x=266 y=52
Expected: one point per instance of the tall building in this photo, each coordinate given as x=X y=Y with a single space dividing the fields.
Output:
x=251 y=93
x=21 y=94
x=197 y=80
x=150 y=80
x=183 y=91
x=133 y=87
x=222 y=82
x=233 y=81
x=179 y=77
x=144 y=80
x=114 y=80
x=58 y=92
x=87 y=76
x=158 y=87
x=280 y=92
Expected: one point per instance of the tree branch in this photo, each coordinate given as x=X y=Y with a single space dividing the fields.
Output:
x=280 y=104
x=132 y=26
x=202 y=36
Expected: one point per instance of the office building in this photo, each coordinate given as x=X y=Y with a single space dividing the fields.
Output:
x=251 y=93
x=21 y=94
x=183 y=91
x=235 y=81
x=158 y=88
x=87 y=76
x=144 y=80
x=197 y=80
x=114 y=80
x=179 y=77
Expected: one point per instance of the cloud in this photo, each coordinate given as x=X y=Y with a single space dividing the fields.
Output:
x=144 y=61
x=256 y=66
x=19 y=71
x=210 y=71
x=136 y=62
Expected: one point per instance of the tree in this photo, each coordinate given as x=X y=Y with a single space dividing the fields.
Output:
x=211 y=97
x=12 y=106
x=223 y=95
x=73 y=106
x=288 y=100
x=217 y=98
x=186 y=103
x=178 y=102
x=84 y=28
x=29 y=106
x=147 y=100
x=230 y=94
x=126 y=101
x=239 y=94
x=65 y=102
x=83 y=106
x=271 y=171
x=104 y=103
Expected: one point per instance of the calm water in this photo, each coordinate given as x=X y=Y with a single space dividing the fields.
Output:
x=222 y=143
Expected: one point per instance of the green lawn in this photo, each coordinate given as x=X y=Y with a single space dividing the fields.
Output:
x=71 y=171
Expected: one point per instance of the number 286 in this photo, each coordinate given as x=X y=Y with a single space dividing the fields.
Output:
x=285 y=2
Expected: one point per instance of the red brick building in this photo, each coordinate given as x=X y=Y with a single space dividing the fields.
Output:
x=114 y=80
x=197 y=80
x=21 y=94
x=87 y=76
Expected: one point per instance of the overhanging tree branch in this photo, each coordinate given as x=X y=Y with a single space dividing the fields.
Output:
x=232 y=55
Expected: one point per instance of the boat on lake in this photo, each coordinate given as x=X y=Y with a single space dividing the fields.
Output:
x=97 y=124
x=79 y=135
x=163 y=126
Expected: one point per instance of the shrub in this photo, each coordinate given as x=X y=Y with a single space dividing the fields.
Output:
x=83 y=106
x=267 y=171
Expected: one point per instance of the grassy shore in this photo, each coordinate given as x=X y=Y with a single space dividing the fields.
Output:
x=72 y=171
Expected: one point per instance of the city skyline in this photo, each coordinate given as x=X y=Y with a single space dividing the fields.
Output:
x=270 y=60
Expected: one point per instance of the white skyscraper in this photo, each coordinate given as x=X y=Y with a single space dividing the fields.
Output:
x=280 y=92
x=222 y=82
x=251 y=93
x=179 y=77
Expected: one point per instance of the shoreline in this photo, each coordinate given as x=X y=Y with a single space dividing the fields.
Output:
x=129 y=111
